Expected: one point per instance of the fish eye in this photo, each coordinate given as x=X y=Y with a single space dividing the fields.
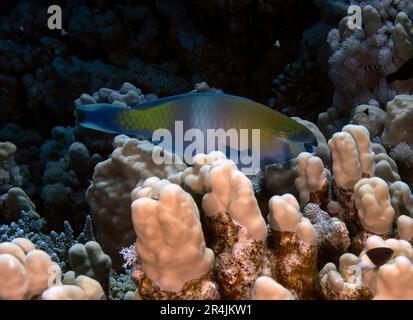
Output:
x=282 y=134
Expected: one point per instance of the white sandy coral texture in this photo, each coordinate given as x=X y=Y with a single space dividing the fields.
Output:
x=399 y=119
x=170 y=243
x=109 y=195
x=266 y=288
x=312 y=176
x=373 y=204
x=352 y=155
x=231 y=191
x=25 y=272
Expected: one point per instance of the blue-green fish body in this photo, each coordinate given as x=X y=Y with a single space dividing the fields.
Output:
x=281 y=138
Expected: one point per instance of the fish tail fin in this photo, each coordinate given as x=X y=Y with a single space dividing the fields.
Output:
x=100 y=117
x=391 y=78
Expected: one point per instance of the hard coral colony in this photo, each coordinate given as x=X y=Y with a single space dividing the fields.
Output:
x=330 y=216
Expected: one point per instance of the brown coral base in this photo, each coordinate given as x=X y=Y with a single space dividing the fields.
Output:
x=294 y=264
x=197 y=289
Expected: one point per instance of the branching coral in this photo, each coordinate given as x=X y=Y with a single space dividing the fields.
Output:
x=361 y=59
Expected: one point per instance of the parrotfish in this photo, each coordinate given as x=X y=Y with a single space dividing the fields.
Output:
x=281 y=138
x=405 y=72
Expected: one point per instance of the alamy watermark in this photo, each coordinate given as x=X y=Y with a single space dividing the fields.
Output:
x=241 y=146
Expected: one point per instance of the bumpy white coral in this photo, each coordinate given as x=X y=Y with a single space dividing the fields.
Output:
x=80 y=288
x=344 y=283
x=399 y=119
x=352 y=155
x=395 y=280
x=195 y=176
x=386 y=168
x=113 y=180
x=231 y=191
x=399 y=247
x=405 y=228
x=285 y=216
x=266 y=288
x=371 y=117
x=401 y=198
x=312 y=176
x=284 y=213
x=128 y=95
x=294 y=255
x=373 y=204
x=403 y=39
x=170 y=242
x=25 y=272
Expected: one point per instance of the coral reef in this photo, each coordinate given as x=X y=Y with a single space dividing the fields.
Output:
x=362 y=58
x=294 y=257
x=333 y=223
x=113 y=181
x=165 y=207
x=266 y=288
